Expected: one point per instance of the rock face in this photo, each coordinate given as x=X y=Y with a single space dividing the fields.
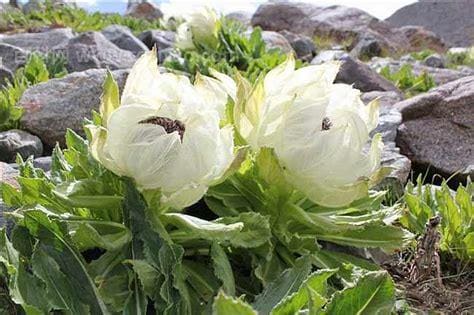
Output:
x=8 y=174
x=144 y=10
x=162 y=39
x=302 y=45
x=389 y=120
x=39 y=42
x=12 y=57
x=452 y=20
x=243 y=17
x=52 y=107
x=355 y=72
x=13 y=142
x=421 y=38
x=5 y=76
x=337 y=22
x=123 y=38
x=91 y=50
x=437 y=131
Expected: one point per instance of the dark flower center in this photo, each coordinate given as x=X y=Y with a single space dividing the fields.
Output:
x=326 y=124
x=168 y=124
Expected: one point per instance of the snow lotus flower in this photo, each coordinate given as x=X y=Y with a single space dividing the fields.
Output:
x=317 y=129
x=165 y=134
x=201 y=27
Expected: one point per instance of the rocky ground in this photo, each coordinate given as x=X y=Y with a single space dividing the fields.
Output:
x=430 y=133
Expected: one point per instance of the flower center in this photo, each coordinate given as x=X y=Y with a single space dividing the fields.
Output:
x=168 y=124
x=326 y=124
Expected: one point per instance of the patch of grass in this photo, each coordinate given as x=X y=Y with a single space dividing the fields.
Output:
x=422 y=55
x=38 y=69
x=326 y=42
x=70 y=16
x=407 y=81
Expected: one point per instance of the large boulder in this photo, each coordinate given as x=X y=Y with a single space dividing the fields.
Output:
x=276 y=40
x=340 y=23
x=5 y=76
x=50 y=108
x=39 y=42
x=243 y=17
x=452 y=20
x=123 y=38
x=421 y=38
x=302 y=45
x=12 y=57
x=359 y=74
x=13 y=142
x=91 y=50
x=144 y=10
x=437 y=130
x=159 y=38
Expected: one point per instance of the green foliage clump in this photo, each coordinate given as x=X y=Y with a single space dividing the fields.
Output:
x=37 y=69
x=465 y=58
x=456 y=210
x=422 y=55
x=407 y=81
x=71 y=16
x=234 y=50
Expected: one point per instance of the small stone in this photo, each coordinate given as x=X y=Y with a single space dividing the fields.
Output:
x=13 y=142
x=302 y=45
x=43 y=162
x=367 y=47
x=435 y=61
x=122 y=37
x=144 y=10
x=276 y=40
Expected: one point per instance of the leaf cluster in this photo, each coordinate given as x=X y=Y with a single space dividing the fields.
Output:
x=407 y=81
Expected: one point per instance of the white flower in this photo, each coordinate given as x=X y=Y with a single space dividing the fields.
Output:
x=165 y=135
x=201 y=27
x=318 y=130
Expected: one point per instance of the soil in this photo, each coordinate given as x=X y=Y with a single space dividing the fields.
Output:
x=430 y=283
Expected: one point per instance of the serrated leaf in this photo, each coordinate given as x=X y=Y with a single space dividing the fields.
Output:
x=222 y=268
x=312 y=292
x=256 y=230
x=225 y=305
x=374 y=293
x=288 y=282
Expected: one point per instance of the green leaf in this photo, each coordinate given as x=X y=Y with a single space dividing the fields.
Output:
x=256 y=230
x=374 y=293
x=222 y=268
x=225 y=305
x=86 y=193
x=312 y=292
x=288 y=282
x=60 y=293
x=89 y=234
x=110 y=99
x=190 y=227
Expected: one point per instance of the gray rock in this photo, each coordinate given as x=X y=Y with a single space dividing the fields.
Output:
x=5 y=222
x=435 y=61
x=144 y=10
x=8 y=174
x=13 y=142
x=452 y=20
x=367 y=47
x=170 y=54
x=54 y=106
x=242 y=17
x=122 y=37
x=362 y=76
x=437 y=129
x=327 y=55
x=91 y=50
x=43 y=162
x=39 y=42
x=400 y=167
x=276 y=40
x=5 y=76
x=162 y=39
x=302 y=45
x=389 y=118
x=340 y=23
x=12 y=57
x=39 y=5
